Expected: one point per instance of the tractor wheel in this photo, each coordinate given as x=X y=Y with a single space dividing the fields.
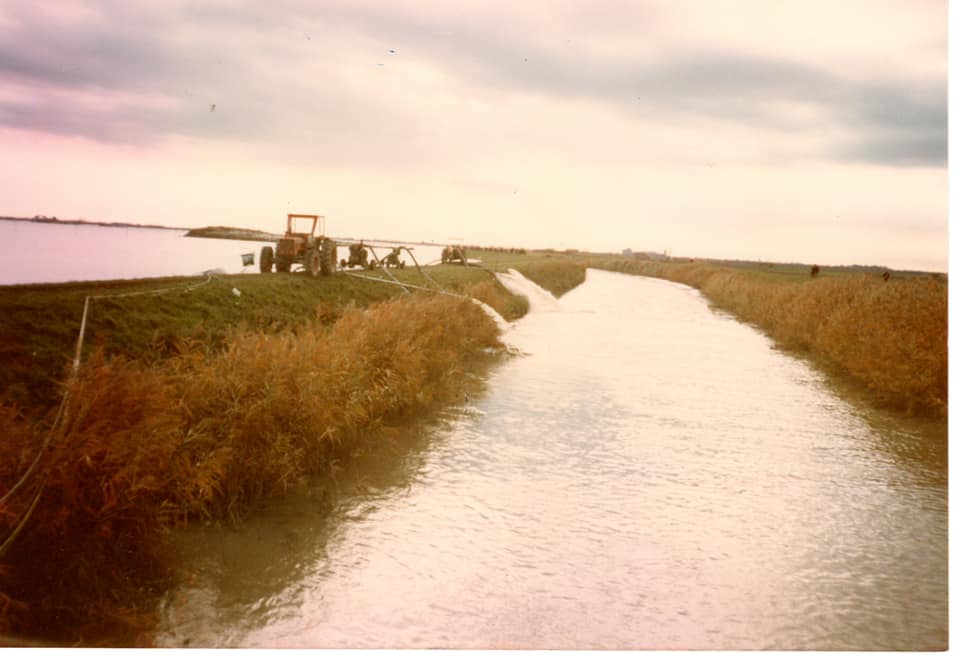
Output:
x=266 y=259
x=328 y=257
x=311 y=262
x=283 y=265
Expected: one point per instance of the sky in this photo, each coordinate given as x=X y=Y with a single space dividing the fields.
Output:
x=809 y=131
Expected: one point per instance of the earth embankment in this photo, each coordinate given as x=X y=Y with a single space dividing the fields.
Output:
x=194 y=405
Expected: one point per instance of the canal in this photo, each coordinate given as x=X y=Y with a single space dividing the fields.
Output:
x=647 y=473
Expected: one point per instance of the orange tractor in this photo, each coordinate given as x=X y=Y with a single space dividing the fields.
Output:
x=315 y=252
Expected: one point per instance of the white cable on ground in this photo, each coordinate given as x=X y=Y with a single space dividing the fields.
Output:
x=86 y=308
x=25 y=478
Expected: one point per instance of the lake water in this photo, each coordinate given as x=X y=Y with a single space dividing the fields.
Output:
x=32 y=252
x=649 y=474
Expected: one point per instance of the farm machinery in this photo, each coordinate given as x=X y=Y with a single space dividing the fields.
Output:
x=393 y=259
x=452 y=254
x=359 y=257
x=315 y=252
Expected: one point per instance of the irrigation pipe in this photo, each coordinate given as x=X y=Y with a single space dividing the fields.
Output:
x=383 y=267
x=406 y=285
x=428 y=277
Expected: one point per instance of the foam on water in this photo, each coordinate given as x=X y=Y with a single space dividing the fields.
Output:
x=540 y=299
x=502 y=324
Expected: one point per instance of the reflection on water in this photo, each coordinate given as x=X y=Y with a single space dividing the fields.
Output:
x=650 y=474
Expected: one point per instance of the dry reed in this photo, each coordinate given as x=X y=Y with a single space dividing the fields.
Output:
x=204 y=435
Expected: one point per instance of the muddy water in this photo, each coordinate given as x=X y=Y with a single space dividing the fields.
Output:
x=650 y=474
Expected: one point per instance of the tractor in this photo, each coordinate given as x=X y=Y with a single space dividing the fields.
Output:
x=358 y=256
x=315 y=252
x=453 y=253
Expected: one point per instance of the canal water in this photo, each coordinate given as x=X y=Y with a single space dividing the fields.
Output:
x=647 y=474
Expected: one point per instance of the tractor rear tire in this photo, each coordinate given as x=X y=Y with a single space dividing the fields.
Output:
x=311 y=262
x=266 y=259
x=328 y=257
x=283 y=265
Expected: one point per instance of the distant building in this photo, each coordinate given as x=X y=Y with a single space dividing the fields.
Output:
x=628 y=252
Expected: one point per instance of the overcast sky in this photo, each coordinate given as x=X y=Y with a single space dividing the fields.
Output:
x=785 y=130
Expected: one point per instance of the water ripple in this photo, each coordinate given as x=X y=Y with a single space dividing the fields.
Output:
x=650 y=475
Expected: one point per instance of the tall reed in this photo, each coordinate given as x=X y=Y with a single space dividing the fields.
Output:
x=269 y=409
x=92 y=541
x=890 y=336
x=204 y=435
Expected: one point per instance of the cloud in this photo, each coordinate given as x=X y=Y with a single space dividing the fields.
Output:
x=898 y=150
x=876 y=116
x=301 y=79
x=901 y=124
x=273 y=85
x=894 y=122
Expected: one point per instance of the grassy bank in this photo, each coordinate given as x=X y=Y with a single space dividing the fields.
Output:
x=889 y=336
x=195 y=406
x=557 y=276
x=39 y=323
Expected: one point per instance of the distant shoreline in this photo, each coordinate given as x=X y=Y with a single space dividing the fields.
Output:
x=43 y=219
